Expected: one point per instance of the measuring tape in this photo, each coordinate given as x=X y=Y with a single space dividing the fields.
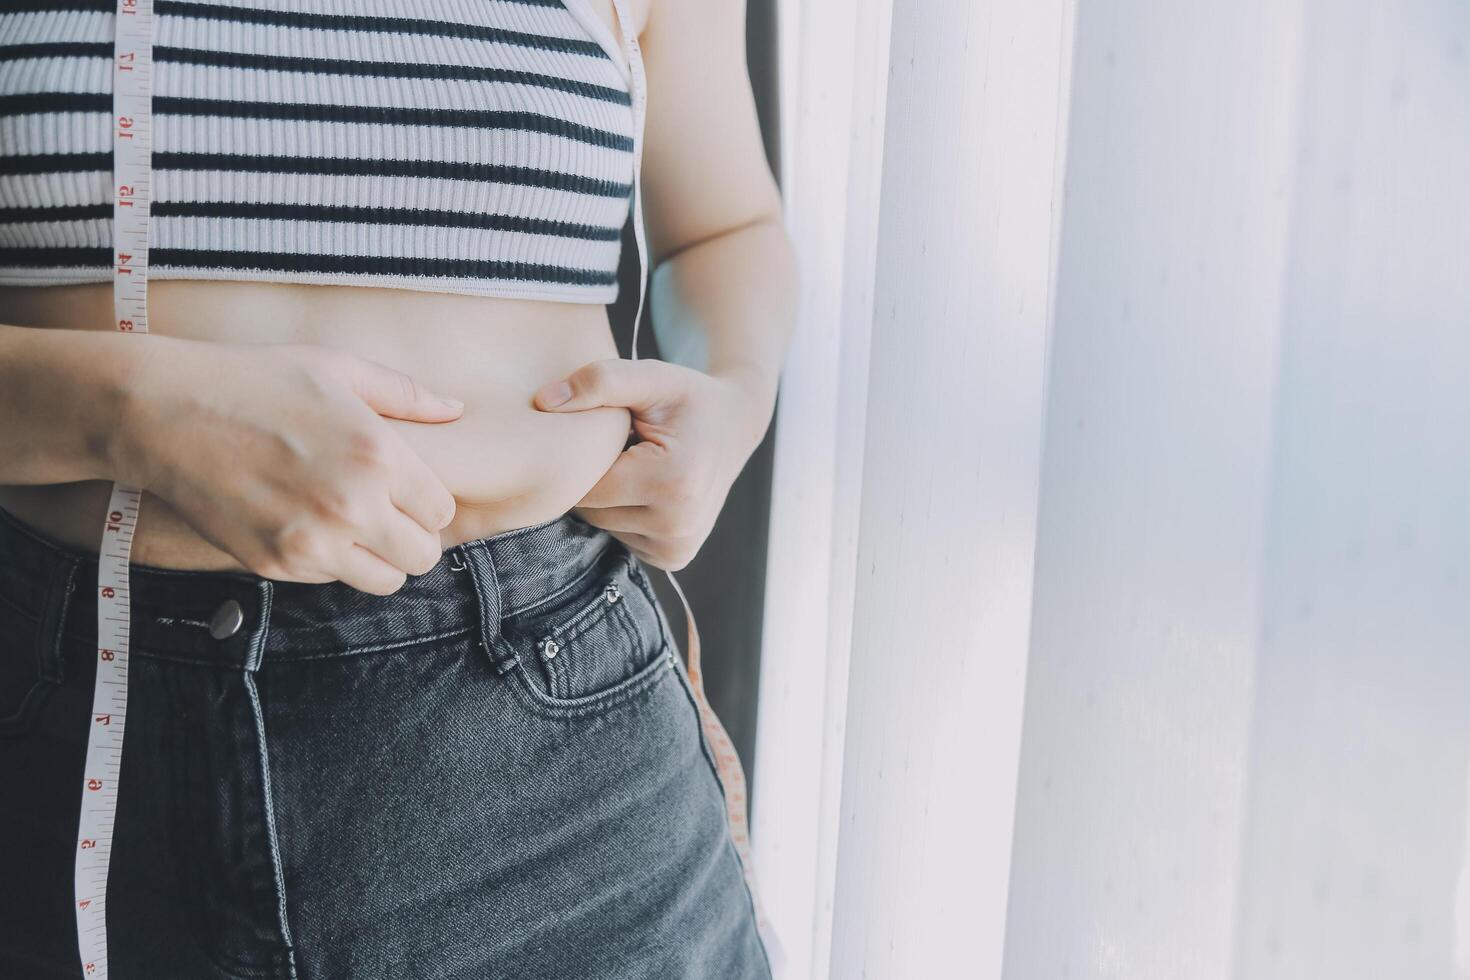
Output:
x=132 y=148
x=726 y=760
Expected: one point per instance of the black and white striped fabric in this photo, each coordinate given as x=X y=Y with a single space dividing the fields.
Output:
x=473 y=146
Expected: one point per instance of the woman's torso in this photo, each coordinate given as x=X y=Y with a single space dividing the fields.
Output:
x=506 y=463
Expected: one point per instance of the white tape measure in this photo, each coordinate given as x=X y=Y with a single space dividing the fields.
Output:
x=132 y=147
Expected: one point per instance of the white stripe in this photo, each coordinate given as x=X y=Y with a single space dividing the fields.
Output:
x=55 y=132
x=364 y=141
x=24 y=76
x=57 y=25
x=82 y=233
x=55 y=190
x=430 y=193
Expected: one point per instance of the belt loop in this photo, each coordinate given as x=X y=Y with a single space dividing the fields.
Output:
x=59 y=589
x=487 y=594
x=261 y=629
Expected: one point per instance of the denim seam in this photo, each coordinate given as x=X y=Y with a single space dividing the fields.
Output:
x=725 y=813
x=252 y=663
x=53 y=623
x=666 y=634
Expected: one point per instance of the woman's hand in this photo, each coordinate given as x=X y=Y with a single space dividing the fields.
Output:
x=696 y=431
x=279 y=455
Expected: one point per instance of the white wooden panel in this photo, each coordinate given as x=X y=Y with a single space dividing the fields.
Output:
x=834 y=64
x=1356 y=825
x=1163 y=367
x=949 y=480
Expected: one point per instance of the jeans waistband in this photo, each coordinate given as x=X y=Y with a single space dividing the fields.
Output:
x=179 y=614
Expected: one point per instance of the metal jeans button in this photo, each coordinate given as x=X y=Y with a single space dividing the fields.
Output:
x=227 y=620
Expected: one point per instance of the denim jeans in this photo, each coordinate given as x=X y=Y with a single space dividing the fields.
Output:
x=496 y=772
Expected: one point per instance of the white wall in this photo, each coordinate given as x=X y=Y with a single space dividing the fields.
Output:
x=921 y=184
x=1355 y=821
x=1158 y=440
x=1131 y=403
x=949 y=486
x=1246 y=726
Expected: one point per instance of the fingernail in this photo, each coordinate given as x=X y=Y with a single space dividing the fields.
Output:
x=555 y=393
x=453 y=403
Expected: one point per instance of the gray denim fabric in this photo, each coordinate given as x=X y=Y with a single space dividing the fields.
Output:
x=360 y=786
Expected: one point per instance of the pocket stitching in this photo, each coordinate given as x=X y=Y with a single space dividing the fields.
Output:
x=602 y=701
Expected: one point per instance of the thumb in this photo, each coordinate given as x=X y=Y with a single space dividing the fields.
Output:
x=397 y=395
x=615 y=381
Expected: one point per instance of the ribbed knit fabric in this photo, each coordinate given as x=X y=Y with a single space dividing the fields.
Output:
x=472 y=146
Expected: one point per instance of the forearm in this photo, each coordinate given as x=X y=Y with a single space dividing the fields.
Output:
x=60 y=395
x=727 y=306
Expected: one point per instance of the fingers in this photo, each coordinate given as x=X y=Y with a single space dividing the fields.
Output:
x=402 y=542
x=615 y=381
x=367 y=572
x=418 y=492
x=629 y=518
x=630 y=480
x=397 y=395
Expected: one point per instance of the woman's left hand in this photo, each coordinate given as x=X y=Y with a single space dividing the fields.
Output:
x=696 y=431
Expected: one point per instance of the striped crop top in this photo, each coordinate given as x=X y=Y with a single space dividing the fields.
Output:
x=487 y=147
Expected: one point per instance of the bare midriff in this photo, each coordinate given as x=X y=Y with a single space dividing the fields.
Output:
x=507 y=464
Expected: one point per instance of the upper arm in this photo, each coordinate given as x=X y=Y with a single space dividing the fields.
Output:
x=704 y=162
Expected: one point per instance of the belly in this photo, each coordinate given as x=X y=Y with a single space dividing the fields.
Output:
x=506 y=463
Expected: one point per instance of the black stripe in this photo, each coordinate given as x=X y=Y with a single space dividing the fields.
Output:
x=393 y=25
x=41 y=102
x=48 y=6
x=384 y=69
x=161 y=258
x=54 y=163
x=34 y=102
x=382 y=216
x=77 y=212
x=56 y=49
x=42 y=163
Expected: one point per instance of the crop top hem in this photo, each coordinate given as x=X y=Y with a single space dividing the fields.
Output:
x=443 y=284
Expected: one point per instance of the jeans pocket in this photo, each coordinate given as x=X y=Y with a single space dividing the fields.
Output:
x=595 y=643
